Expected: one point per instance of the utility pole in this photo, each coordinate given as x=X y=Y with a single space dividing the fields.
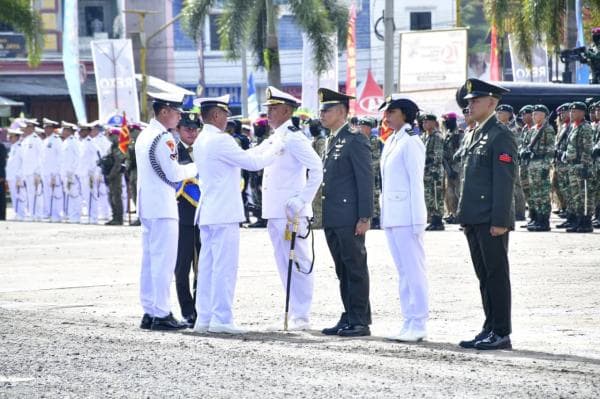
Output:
x=388 y=21
x=458 y=15
x=144 y=52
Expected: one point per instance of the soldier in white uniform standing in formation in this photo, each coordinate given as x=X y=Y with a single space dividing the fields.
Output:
x=31 y=169
x=103 y=144
x=69 y=163
x=158 y=174
x=219 y=160
x=53 y=191
x=287 y=194
x=14 y=178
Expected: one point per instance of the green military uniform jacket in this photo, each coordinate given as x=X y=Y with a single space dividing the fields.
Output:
x=489 y=177
x=543 y=143
x=579 y=145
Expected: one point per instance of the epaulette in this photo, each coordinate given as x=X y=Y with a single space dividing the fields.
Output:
x=293 y=128
x=410 y=132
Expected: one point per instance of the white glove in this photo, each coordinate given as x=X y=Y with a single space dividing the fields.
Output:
x=418 y=229
x=19 y=182
x=52 y=181
x=37 y=180
x=293 y=207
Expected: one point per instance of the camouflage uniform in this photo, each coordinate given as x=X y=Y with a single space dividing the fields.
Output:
x=596 y=172
x=318 y=145
x=452 y=141
x=376 y=157
x=542 y=149
x=579 y=157
x=526 y=132
x=114 y=180
x=561 y=169
x=434 y=195
x=131 y=165
x=519 y=196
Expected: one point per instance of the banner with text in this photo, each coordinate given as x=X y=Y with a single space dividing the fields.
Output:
x=115 y=79
x=539 y=63
x=432 y=60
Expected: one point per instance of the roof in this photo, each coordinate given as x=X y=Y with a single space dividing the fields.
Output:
x=7 y=102
x=40 y=85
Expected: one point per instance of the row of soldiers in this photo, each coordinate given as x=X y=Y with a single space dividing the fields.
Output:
x=561 y=159
x=62 y=171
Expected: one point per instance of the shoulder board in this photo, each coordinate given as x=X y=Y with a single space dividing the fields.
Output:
x=410 y=132
x=293 y=128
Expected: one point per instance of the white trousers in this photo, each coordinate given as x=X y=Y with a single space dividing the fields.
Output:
x=18 y=197
x=53 y=198
x=408 y=254
x=104 y=210
x=217 y=272
x=159 y=254
x=35 y=198
x=301 y=284
x=73 y=200
x=86 y=190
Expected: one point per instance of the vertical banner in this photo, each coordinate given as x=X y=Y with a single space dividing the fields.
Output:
x=70 y=58
x=539 y=63
x=351 y=59
x=252 y=101
x=583 y=71
x=115 y=79
x=494 y=56
x=311 y=81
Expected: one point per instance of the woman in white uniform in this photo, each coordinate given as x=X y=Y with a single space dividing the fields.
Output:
x=404 y=215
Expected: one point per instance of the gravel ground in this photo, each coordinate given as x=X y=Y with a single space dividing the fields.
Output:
x=69 y=317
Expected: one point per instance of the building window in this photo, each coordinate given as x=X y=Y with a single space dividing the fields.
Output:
x=420 y=20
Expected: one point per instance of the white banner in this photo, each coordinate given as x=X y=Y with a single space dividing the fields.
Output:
x=539 y=64
x=310 y=81
x=115 y=79
x=432 y=60
x=70 y=57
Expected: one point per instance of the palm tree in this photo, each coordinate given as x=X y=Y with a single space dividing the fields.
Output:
x=531 y=20
x=20 y=15
x=254 y=22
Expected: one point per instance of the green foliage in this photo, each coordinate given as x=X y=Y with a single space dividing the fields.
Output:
x=20 y=15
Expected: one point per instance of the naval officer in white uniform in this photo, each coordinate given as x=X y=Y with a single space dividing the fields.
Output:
x=69 y=162
x=53 y=191
x=219 y=160
x=33 y=147
x=403 y=213
x=287 y=193
x=158 y=174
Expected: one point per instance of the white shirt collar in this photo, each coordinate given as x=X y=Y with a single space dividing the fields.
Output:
x=209 y=128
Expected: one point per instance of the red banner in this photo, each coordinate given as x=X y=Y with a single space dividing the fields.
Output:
x=351 y=59
x=370 y=98
x=124 y=138
x=494 y=57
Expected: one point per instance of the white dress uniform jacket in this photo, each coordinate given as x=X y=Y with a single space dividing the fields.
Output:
x=156 y=195
x=14 y=176
x=69 y=163
x=53 y=196
x=403 y=193
x=286 y=176
x=219 y=160
x=32 y=154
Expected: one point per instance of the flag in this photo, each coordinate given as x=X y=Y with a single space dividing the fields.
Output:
x=252 y=102
x=494 y=57
x=370 y=98
x=124 y=138
x=583 y=71
x=351 y=59
x=70 y=58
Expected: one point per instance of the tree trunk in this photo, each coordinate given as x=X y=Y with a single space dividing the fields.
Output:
x=201 y=73
x=271 y=55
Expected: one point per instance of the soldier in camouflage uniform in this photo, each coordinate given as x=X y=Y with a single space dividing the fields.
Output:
x=261 y=132
x=526 y=114
x=579 y=157
x=559 y=180
x=366 y=126
x=538 y=155
x=114 y=179
x=592 y=56
x=505 y=115
x=319 y=144
x=596 y=168
x=452 y=139
x=131 y=166
x=433 y=177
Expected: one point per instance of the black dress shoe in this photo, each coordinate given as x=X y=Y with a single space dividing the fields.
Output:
x=189 y=321
x=167 y=323
x=334 y=330
x=494 y=342
x=146 y=322
x=355 y=330
x=470 y=344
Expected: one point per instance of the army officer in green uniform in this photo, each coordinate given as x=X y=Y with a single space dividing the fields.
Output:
x=486 y=211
